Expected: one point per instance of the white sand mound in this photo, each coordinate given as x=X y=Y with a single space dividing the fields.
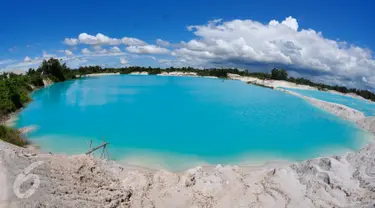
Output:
x=82 y=181
x=101 y=74
x=139 y=73
x=176 y=73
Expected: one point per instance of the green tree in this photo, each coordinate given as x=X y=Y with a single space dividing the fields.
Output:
x=54 y=69
x=279 y=74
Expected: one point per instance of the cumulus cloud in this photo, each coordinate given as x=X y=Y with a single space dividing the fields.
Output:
x=115 y=49
x=27 y=59
x=165 y=62
x=247 y=42
x=47 y=55
x=27 y=63
x=100 y=39
x=147 y=49
x=68 y=53
x=71 y=41
x=7 y=61
x=162 y=43
x=99 y=51
x=133 y=41
x=123 y=61
x=85 y=51
x=289 y=22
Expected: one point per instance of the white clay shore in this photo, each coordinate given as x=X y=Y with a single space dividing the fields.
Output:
x=270 y=83
x=184 y=74
x=286 y=84
x=83 y=181
x=101 y=74
x=179 y=74
x=139 y=73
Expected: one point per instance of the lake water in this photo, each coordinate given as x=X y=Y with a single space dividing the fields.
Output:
x=180 y=122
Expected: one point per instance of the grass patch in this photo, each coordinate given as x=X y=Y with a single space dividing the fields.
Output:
x=12 y=136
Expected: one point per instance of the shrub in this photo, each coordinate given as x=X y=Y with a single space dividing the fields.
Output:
x=12 y=136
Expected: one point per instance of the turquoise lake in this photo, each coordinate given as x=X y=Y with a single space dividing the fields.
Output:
x=181 y=122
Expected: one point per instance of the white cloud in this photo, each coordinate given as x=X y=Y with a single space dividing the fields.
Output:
x=47 y=56
x=68 y=53
x=99 y=51
x=27 y=59
x=246 y=42
x=364 y=79
x=289 y=22
x=7 y=61
x=24 y=65
x=162 y=43
x=71 y=41
x=19 y=67
x=147 y=49
x=133 y=41
x=123 y=61
x=115 y=49
x=100 y=39
x=85 y=51
x=165 y=62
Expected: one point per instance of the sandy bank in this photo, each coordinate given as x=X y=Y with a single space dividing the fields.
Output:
x=139 y=73
x=270 y=83
x=184 y=74
x=286 y=84
x=367 y=123
x=83 y=181
x=101 y=74
x=179 y=74
x=47 y=82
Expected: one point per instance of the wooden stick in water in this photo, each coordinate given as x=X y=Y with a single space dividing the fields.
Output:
x=98 y=147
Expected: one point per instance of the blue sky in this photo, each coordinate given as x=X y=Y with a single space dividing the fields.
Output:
x=338 y=51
